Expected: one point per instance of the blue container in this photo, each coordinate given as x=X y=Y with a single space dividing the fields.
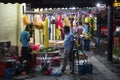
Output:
x=85 y=68
x=9 y=73
x=81 y=70
x=89 y=68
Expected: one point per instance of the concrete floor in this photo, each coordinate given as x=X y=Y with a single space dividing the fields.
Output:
x=100 y=72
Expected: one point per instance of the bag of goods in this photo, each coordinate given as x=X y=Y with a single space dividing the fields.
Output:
x=56 y=72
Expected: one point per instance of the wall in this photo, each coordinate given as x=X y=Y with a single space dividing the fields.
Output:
x=10 y=22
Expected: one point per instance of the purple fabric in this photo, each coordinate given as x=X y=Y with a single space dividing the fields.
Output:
x=79 y=29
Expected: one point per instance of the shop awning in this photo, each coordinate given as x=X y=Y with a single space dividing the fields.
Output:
x=58 y=3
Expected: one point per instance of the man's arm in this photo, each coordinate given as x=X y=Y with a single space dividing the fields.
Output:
x=73 y=42
x=71 y=50
x=20 y=38
x=28 y=37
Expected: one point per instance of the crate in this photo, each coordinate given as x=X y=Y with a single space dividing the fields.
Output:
x=9 y=73
x=5 y=43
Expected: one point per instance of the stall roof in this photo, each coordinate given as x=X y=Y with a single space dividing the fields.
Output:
x=58 y=3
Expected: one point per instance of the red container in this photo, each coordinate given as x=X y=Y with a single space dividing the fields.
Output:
x=55 y=61
x=116 y=41
x=2 y=69
x=38 y=61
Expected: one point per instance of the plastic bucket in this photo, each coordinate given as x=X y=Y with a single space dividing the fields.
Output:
x=9 y=73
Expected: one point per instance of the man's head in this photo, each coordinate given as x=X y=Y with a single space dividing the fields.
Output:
x=66 y=29
x=27 y=27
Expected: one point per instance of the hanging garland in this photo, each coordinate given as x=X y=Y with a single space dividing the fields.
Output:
x=37 y=25
x=31 y=29
x=26 y=20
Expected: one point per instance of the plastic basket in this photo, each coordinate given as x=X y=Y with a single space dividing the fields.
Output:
x=9 y=73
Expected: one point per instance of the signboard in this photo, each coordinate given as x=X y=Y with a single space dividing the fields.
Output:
x=116 y=4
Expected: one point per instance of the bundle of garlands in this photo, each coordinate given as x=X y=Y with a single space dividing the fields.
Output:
x=31 y=31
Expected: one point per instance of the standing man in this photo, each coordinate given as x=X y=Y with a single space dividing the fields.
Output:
x=68 y=50
x=24 y=39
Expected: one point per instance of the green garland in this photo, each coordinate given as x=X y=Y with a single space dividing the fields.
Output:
x=116 y=50
x=49 y=49
x=31 y=31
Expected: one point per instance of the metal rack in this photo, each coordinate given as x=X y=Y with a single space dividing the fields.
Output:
x=4 y=50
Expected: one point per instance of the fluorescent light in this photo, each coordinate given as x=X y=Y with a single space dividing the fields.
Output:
x=98 y=5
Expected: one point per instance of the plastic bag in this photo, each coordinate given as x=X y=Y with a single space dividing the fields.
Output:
x=56 y=72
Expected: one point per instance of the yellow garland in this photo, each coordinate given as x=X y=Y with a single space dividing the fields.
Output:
x=46 y=34
x=26 y=20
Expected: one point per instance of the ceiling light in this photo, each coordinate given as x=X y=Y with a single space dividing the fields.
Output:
x=98 y=5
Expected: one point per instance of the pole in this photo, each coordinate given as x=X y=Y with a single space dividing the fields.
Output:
x=110 y=31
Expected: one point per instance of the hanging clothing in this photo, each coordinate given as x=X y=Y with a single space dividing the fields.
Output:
x=86 y=27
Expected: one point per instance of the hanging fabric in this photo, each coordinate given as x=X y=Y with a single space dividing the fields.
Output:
x=46 y=33
x=26 y=20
